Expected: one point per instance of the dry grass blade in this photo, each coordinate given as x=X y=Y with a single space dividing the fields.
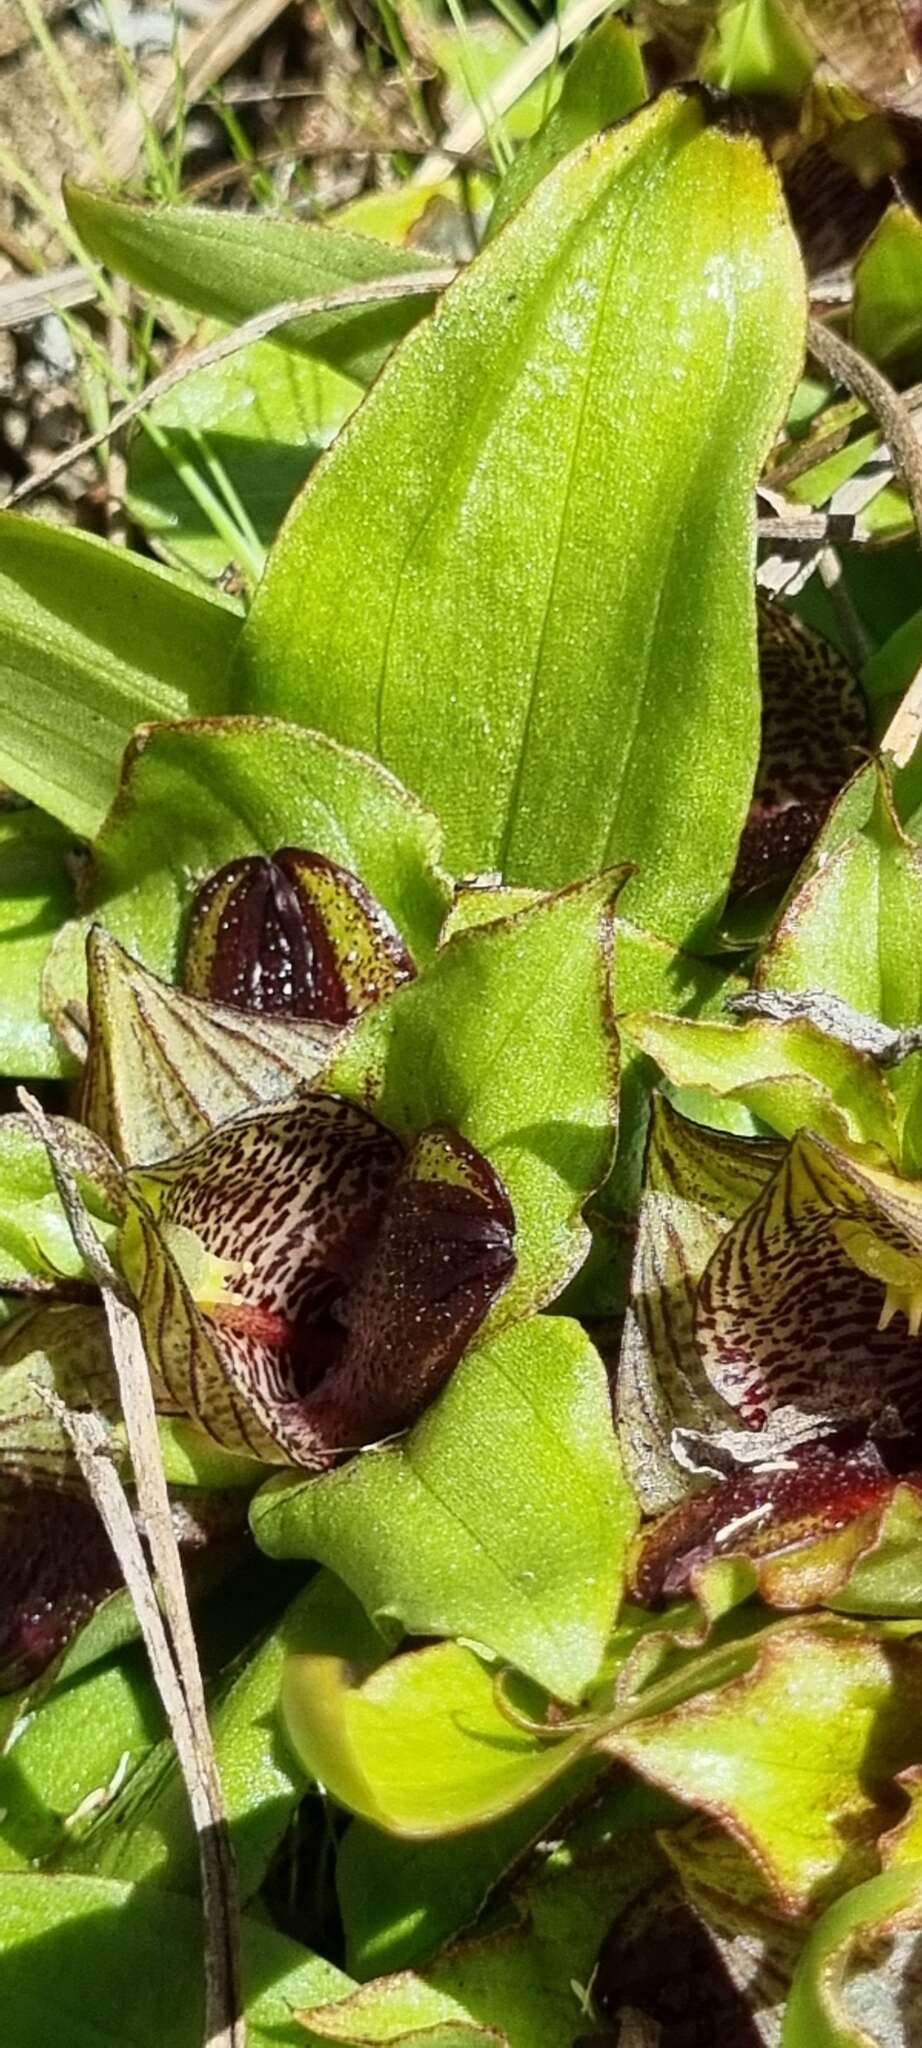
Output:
x=23 y=299
x=204 y=54
x=894 y=417
x=416 y=284
x=172 y=1649
x=224 y=2024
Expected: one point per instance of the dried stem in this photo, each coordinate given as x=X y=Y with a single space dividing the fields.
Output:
x=856 y=374
x=172 y=1649
x=414 y=284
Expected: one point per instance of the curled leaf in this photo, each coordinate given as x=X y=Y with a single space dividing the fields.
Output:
x=795 y=1758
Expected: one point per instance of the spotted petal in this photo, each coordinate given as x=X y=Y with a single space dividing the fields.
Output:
x=296 y=936
x=298 y=1292
x=442 y=1255
x=814 y=724
x=813 y=1298
x=282 y=1205
x=164 y=1067
x=697 y=1182
x=779 y=1518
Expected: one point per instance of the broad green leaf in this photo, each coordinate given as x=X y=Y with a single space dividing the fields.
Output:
x=66 y=1761
x=503 y=1517
x=163 y=1068
x=886 y=317
x=91 y=1963
x=36 y=898
x=854 y=925
x=857 y=1982
x=508 y=1038
x=93 y=641
x=401 y=1898
x=197 y=795
x=796 y=1757
x=146 y=1835
x=647 y=972
x=604 y=81
x=256 y=422
x=36 y=1246
x=502 y=539
x=420 y=1746
x=788 y=1074
x=526 y=1978
x=233 y=265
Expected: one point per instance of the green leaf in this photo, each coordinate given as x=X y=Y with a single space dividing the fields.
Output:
x=147 y=1836
x=232 y=265
x=526 y=1978
x=197 y=795
x=36 y=898
x=788 y=1074
x=886 y=320
x=574 y=529
x=36 y=1246
x=508 y=1038
x=89 y=1963
x=854 y=925
x=419 y=1746
x=66 y=1760
x=856 y=1971
x=795 y=1757
x=604 y=81
x=754 y=48
x=402 y=1897
x=258 y=422
x=503 y=1517
x=93 y=641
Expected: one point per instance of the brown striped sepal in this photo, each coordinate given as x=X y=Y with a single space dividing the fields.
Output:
x=163 y=1067
x=294 y=936
x=873 y=46
x=698 y=1182
x=823 y=1526
x=301 y=1286
x=814 y=734
x=813 y=1298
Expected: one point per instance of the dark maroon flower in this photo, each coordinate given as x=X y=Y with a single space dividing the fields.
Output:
x=294 y=936
x=303 y=1285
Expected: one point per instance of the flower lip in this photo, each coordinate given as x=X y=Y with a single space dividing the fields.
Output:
x=293 y=935
x=763 y=1512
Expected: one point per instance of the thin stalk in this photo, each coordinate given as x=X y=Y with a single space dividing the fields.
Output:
x=69 y=94
x=479 y=91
